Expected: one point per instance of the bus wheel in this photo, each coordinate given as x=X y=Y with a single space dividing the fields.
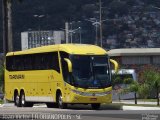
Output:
x=95 y=106
x=16 y=100
x=60 y=102
x=23 y=101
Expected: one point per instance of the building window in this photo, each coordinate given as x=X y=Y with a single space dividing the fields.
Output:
x=136 y=60
x=156 y=59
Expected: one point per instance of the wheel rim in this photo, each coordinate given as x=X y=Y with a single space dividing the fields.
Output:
x=23 y=100
x=60 y=101
x=17 y=99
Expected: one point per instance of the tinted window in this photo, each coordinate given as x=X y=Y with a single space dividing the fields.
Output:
x=65 y=66
x=40 y=61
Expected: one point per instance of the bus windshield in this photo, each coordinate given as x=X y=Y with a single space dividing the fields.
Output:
x=91 y=71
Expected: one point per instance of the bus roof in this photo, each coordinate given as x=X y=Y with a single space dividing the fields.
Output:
x=84 y=49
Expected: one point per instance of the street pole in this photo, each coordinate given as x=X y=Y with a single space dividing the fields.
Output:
x=71 y=36
x=80 y=36
x=96 y=25
x=39 y=17
x=9 y=21
x=5 y=28
x=100 y=21
x=71 y=33
x=66 y=31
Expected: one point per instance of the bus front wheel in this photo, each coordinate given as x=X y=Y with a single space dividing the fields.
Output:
x=60 y=102
x=95 y=106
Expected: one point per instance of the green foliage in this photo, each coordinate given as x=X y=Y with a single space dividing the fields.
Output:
x=151 y=76
x=133 y=87
x=116 y=80
x=128 y=80
x=144 y=90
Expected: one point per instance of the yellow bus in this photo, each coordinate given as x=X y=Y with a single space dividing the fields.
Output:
x=59 y=75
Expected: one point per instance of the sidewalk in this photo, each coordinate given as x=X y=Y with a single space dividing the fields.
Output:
x=131 y=102
x=139 y=108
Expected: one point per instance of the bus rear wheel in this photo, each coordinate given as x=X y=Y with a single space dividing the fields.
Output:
x=16 y=100
x=95 y=106
x=60 y=102
x=23 y=102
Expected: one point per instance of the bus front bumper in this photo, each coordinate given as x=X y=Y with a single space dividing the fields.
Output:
x=75 y=98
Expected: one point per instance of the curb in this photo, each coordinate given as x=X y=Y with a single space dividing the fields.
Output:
x=139 y=108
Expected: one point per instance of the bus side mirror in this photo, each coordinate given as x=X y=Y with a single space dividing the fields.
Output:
x=115 y=65
x=69 y=63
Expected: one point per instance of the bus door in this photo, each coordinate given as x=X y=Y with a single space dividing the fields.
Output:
x=66 y=76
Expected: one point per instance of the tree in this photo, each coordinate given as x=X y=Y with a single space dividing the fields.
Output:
x=141 y=89
x=120 y=82
x=156 y=84
x=133 y=87
x=151 y=76
x=153 y=79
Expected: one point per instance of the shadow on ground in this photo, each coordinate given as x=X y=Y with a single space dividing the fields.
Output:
x=88 y=107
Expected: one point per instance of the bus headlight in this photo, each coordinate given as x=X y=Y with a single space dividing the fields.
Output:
x=77 y=92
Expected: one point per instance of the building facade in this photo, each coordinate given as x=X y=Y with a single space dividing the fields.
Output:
x=32 y=39
x=136 y=59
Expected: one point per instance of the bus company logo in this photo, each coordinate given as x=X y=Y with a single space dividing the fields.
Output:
x=16 y=76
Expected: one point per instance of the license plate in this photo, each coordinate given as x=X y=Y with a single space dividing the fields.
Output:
x=93 y=99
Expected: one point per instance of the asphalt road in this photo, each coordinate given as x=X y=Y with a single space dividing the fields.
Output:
x=75 y=112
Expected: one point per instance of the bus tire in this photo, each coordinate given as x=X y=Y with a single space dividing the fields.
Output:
x=60 y=102
x=16 y=99
x=95 y=106
x=23 y=102
x=52 y=105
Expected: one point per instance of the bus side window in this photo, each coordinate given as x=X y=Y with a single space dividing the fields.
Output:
x=55 y=62
x=37 y=65
x=15 y=63
x=64 y=66
x=9 y=63
x=20 y=63
x=39 y=61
